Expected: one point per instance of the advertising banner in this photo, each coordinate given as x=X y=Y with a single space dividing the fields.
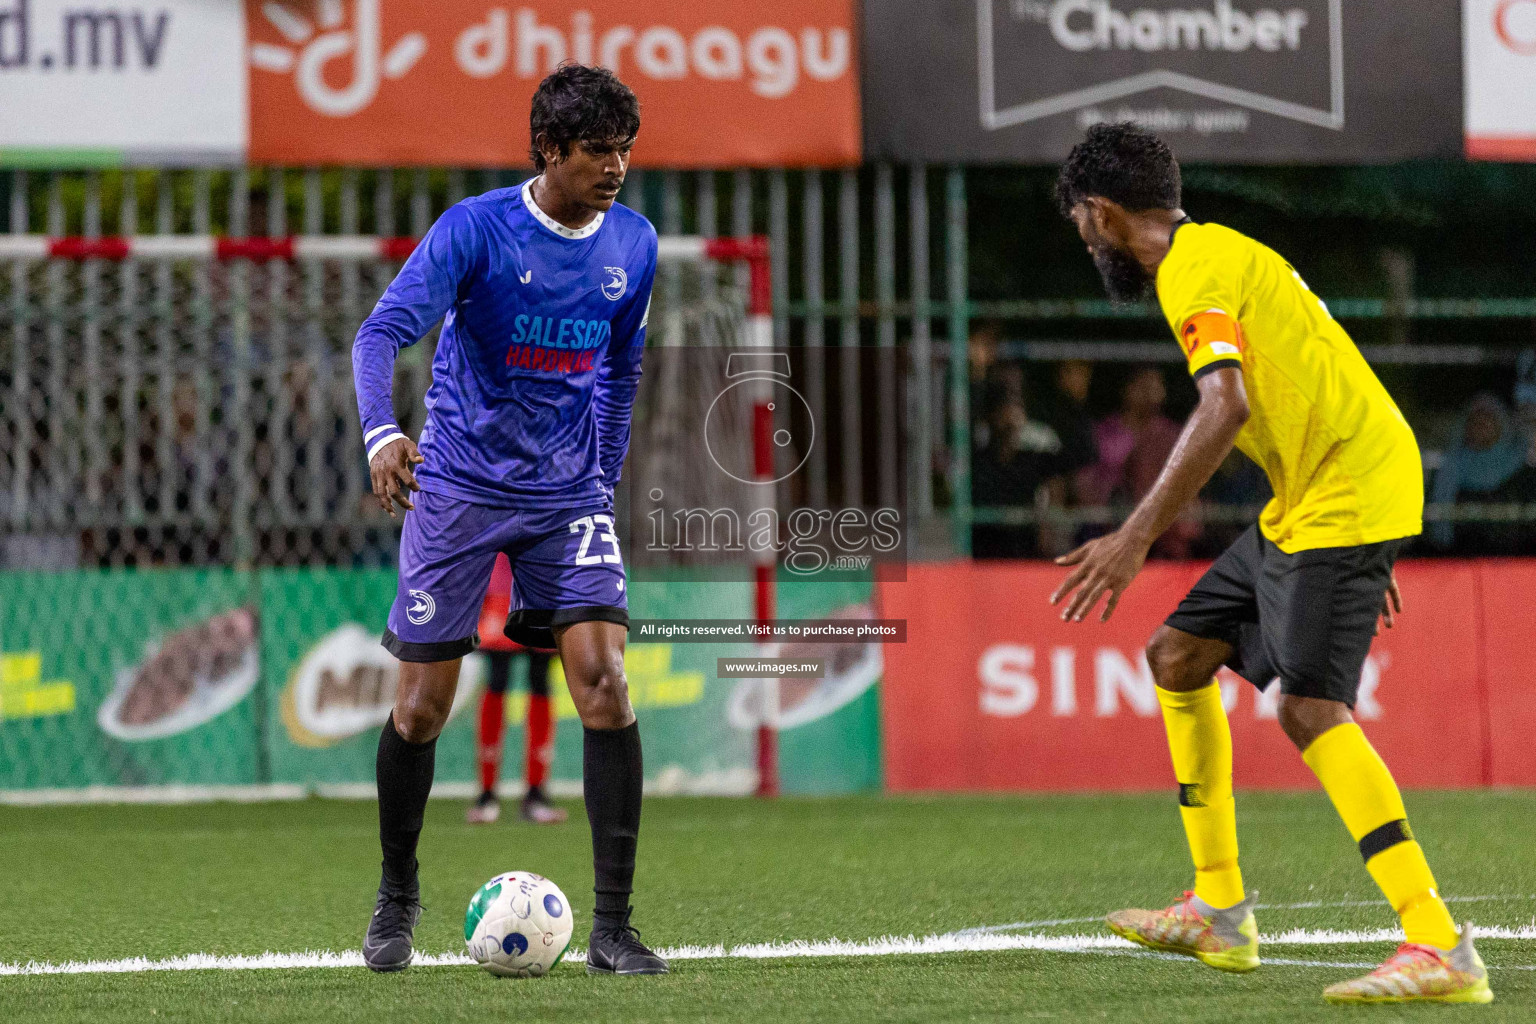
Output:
x=127 y=678
x=993 y=692
x=333 y=684
x=448 y=82
x=1231 y=81
x=191 y=678
x=121 y=81
x=1500 y=48
x=829 y=727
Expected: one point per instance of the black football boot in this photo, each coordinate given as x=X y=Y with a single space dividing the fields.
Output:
x=615 y=948
x=387 y=946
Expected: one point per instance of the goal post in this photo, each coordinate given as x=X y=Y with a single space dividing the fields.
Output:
x=757 y=333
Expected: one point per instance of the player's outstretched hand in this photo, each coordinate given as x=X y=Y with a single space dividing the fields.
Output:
x=1105 y=565
x=393 y=479
x=1391 y=606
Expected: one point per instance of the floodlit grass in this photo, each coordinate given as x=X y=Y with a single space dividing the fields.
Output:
x=158 y=882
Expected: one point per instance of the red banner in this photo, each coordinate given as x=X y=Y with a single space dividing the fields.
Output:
x=993 y=692
x=1509 y=669
x=448 y=82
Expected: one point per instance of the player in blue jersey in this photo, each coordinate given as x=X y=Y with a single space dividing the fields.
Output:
x=543 y=291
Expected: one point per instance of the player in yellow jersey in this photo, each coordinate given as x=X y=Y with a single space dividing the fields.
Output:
x=1298 y=595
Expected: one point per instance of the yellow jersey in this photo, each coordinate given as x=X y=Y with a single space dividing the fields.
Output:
x=1343 y=462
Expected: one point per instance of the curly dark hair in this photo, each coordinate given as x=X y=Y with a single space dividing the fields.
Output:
x=580 y=103
x=1123 y=162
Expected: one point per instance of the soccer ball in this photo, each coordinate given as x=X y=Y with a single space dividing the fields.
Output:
x=518 y=925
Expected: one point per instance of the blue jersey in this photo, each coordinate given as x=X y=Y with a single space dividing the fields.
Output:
x=539 y=356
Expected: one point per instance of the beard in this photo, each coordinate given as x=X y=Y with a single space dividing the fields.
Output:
x=1124 y=278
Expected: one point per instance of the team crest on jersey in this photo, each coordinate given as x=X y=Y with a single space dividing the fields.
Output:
x=617 y=282
x=421 y=609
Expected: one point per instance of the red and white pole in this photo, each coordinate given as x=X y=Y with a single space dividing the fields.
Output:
x=206 y=247
x=754 y=251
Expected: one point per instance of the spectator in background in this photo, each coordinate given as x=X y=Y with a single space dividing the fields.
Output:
x=1017 y=467
x=1525 y=398
x=987 y=375
x=1488 y=457
x=1067 y=414
x=1133 y=444
x=985 y=339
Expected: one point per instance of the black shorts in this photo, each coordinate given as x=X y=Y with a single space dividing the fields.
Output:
x=1307 y=618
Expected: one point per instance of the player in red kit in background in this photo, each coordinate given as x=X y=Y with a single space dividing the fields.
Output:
x=539 y=732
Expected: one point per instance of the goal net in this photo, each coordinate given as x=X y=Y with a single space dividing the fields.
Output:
x=193 y=573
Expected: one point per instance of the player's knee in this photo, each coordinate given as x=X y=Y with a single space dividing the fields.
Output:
x=1294 y=722
x=1172 y=663
x=419 y=719
x=604 y=702
x=1304 y=719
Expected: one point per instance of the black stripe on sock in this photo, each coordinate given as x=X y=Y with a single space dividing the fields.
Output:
x=1189 y=795
x=1385 y=837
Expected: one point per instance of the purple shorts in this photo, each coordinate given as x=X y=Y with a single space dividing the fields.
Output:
x=566 y=567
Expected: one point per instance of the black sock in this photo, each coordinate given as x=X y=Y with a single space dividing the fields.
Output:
x=611 y=781
x=536 y=793
x=405 y=778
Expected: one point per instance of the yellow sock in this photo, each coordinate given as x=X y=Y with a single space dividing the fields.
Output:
x=1357 y=781
x=1201 y=745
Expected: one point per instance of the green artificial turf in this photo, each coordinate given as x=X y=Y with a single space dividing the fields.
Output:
x=96 y=883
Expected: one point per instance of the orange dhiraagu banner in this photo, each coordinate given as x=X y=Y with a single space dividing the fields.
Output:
x=992 y=691
x=448 y=82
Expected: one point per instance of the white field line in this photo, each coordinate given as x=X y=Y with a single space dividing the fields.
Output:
x=1313 y=904
x=1332 y=937
x=968 y=942
x=1018 y=926
x=1270 y=961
